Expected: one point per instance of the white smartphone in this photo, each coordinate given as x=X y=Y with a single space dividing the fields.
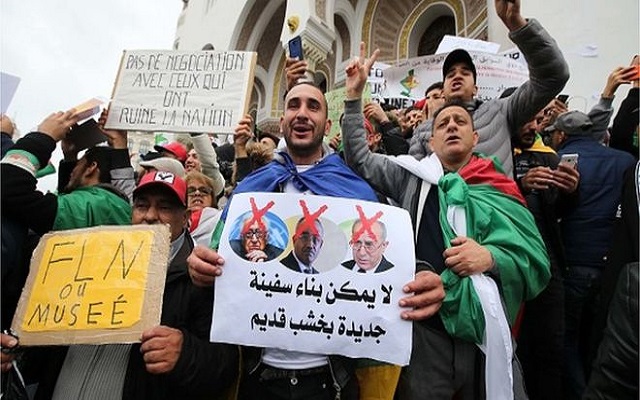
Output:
x=571 y=159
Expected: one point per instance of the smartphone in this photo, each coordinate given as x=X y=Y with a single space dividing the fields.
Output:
x=295 y=48
x=571 y=159
x=563 y=98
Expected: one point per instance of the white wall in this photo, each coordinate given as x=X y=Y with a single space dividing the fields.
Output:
x=209 y=21
x=611 y=27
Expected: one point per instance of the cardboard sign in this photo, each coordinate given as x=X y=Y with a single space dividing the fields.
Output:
x=182 y=91
x=97 y=285
x=316 y=274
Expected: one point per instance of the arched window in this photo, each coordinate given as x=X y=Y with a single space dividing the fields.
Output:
x=431 y=38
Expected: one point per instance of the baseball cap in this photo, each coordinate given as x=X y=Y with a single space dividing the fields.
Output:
x=165 y=164
x=455 y=57
x=174 y=148
x=164 y=179
x=572 y=123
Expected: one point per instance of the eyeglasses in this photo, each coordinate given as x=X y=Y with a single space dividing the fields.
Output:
x=191 y=191
x=254 y=232
x=368 y=245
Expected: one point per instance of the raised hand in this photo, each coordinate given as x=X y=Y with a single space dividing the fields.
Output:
x=358 y=71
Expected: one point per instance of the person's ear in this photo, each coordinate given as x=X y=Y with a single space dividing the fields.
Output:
x=475 y=90
x=327 y=127
x=91 y=170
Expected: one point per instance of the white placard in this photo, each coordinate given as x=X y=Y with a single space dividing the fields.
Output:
x=336 y=311
x=450 y=43
x=8 y=86
x=410 y=78
x=182 y=91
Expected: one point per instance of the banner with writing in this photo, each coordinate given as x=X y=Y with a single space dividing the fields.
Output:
x=182 y=91
x=94 y=286
x=315 y=274
x=410 y=78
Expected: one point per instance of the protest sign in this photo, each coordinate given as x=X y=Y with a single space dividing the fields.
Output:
x=182 y=91
x=360 y=254
x=94 y=286
x=335 y=102
x=8 y=87
x=450 y=43
x=410 y=78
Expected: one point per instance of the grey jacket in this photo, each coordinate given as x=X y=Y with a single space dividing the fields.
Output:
x=498 y=120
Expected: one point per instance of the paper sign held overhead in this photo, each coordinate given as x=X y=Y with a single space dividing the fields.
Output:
x=8 y=86
x=449 y=43
x=182 y=91
x=94 y=286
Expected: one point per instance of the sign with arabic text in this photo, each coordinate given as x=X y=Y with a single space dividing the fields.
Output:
x=315 y=274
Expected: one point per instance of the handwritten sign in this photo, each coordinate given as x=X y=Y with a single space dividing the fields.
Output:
x=335 y=101
x=410 y=78
x=94 y=286
x=182 y=91
x=330 y=281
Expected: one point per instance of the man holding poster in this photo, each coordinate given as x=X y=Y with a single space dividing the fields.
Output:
x=498 y=120
x=308 y=166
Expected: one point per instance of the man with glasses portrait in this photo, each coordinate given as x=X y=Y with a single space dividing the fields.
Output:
x=254 y=244
x=368 y=246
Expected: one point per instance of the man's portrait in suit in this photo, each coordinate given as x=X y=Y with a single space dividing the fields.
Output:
x=367 y=247
x=307 y=242
x=253 y=244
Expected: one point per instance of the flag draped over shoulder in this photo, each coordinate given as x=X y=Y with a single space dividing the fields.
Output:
x=497 y=219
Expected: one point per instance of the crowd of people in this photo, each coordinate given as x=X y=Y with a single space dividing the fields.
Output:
x=525 y=226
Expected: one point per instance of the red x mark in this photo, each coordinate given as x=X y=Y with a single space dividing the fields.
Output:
x=257 y=215
x=366 y=225
x=309 y=220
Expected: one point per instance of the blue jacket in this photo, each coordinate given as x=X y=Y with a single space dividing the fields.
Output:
x=588 y=229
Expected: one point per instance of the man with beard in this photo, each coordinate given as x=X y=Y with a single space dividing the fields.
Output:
x=307 y=165
x=306 y=247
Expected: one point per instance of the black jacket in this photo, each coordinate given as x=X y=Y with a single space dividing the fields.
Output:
x=204 y=369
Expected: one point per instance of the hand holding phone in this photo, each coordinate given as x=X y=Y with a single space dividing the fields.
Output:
x=295 y=48
x=570 y=159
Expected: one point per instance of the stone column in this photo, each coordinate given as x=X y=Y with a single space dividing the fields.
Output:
x=301 y=19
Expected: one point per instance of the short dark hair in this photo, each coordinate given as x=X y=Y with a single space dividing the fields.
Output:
x=434 y=86
x=101 y=155
x=454 y=103
x=310 y=83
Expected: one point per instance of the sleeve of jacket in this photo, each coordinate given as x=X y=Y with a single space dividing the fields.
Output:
x=600 y=115
x=378 y=170
x=393 y=141
x=548 y=73
x=20 y=198
x=625 y=124
x=122 y=176
x=209 y=160
x=615 y=371
x=204 y=368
